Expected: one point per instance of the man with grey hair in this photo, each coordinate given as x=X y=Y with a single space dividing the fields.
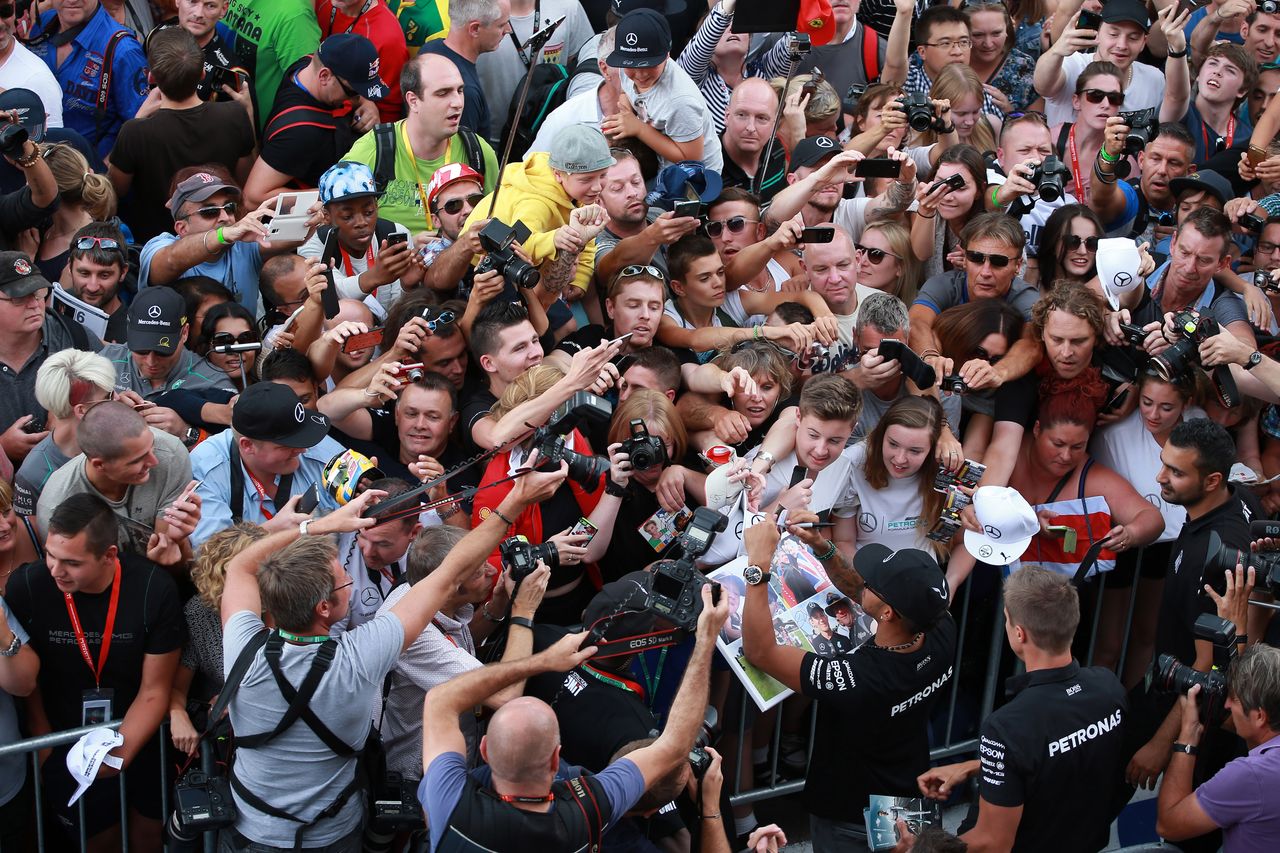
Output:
x=881 y=317
x=447 y=647
x=142 y=472
x=295 y=781
x=476 y=27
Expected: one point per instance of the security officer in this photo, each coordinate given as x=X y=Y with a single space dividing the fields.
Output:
x=99 y=65
x=1051 y=760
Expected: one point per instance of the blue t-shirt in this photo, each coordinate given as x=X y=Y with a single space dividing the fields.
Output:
x=237 y=268
x=475 y=109
x=441 y=789
x=1198 y=16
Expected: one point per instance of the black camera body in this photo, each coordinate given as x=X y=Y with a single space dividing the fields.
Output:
x=798 y=45
x=396 y=805
x=955 y=384
x=202 y=803
x=1050 y=178
x=1220 y=558
x=1134 y=336
x=497 y=239
x=1169 y=675
x=1252 y=223
x=1184 y=355
x=920 y=112
x=644 y=450
x=955 y=181
x=676 y=592
x=13 y=138
x=1142 y=127
x=219 y=76
x=584 y=470
x=520 y=557
x=699 y=758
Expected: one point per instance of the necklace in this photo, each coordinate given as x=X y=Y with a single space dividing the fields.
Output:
x=901 y=646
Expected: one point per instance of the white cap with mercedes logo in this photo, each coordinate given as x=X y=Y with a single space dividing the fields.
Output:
x=1008 y=525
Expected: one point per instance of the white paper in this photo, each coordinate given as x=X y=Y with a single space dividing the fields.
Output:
x=93 y=319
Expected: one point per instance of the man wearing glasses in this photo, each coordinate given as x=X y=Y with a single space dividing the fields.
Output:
x=942 y=39
x=309 y=127
x=96 y=267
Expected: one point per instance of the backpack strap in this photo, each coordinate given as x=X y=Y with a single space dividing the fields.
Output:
x=232 y=683
x=870 y=53
x=471 y=148
x=104 y=80
x=1063 y=133
x=384 y=154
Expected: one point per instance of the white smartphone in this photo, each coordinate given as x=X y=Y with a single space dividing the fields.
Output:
x=289 y=222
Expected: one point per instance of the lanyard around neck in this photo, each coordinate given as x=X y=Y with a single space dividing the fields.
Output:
x=82 y=641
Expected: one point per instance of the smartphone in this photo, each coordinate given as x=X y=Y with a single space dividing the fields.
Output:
x=622 y=338
x=329 y=298
x=34 y=426
x=1088 y=20
x=878 y=167
x=310 y=498
x=289 y=221
x=687 y=208
x=190 y=491
x=955 y=182
x=363 y=340
x=584 y=526
x=1191 y=5
x=396 y=239
x=818 y=234
x=1255 y=155
x=1068 y=535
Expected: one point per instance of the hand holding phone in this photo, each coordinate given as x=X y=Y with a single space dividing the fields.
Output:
x=817 y=234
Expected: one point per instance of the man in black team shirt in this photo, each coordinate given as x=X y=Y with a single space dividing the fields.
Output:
x=83 y=592
x=1063 y=725
x=873 y=706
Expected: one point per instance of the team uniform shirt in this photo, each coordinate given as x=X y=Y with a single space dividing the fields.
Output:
x=369 y=587
x=211 y=464
x=420 y=20
x=874 y=407
x=950 y=289
x=1239 y=800
x=190 y=373
x=873 y=718
x=888 y=516
x=346 y=277
x=1144 y=91
x=775 y=174
x=80 y=75
x=1056 y=751
x=375 y=22
x=24 y=70
x=675 y=108
x=36 y=469
x=270 y=37
x=220 y=52
x=475 y=109
x=236 y=269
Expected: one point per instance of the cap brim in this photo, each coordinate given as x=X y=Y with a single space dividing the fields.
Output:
x=310 y=432
x=869 y=562
x=830 y=609
x=619 y=60
x=25 y=286
x=994 y=553
x=148 y=341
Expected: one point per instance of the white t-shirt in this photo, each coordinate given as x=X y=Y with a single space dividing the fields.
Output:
x=676 y=108
x=889 y=516
x=1146 y=90
x=1033 y=222
x=580 y=109
x=347 y=278
x=24 y=70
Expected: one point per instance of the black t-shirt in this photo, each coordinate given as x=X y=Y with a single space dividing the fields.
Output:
x=304 y=137
x=873 y=717
x=583 y=704
x=117 y=326
x=1056 y=750
x=149 y=621
x=1184 y=597
x=775 y=175
x=629 y=551
x=836 y=644
x=476 y=403
x=216 y=53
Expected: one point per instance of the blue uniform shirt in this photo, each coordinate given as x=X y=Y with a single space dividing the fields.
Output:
x=80 y=76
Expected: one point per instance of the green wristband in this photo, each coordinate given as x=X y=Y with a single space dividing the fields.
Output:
x=994 y=201
x=223 y=240
x=1102 y=152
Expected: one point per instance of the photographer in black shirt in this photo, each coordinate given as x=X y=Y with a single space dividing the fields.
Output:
x=1062 y=726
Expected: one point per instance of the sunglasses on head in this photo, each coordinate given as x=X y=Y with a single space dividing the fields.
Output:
x=1097 y=96
x=997 y=261
x=637 y=270
x=226 y=339
x=214 y=211
x=715 y=227
x=876 y=256
x=1073 y=242
x=85 y=244
x=454 y=205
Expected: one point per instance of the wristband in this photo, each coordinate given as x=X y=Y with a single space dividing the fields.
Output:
x=829 y=553
x=500 y=515
x=484 y=611
x=945 y=130
x=1177 y=54
x=223 y=240
x=1105 y=177
x=1242 y=639
x=303 y=525
x=923 y=216
x=755 y=332
x=1102 y=152
x=521 y=621
x=715 y=816
x=449 y=513
x=995 y=202
x=612 y=488
x=1187 y=748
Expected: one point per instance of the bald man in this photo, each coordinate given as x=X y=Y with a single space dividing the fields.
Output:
x=748 y=121
x=525 y=798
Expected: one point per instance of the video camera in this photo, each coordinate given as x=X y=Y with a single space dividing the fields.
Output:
x=676 y=591
x=584 y=470
x=497 y=239
x=1169 y=675
x=1184 y=355
x=1220 y=558
x=644 y=450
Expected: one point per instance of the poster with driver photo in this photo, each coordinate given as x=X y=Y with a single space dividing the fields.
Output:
x=662 y=528
x=795 y=620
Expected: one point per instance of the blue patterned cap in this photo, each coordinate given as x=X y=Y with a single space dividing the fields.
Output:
x=346 y=180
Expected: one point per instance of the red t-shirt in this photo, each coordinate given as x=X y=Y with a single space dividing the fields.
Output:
x=379 y=25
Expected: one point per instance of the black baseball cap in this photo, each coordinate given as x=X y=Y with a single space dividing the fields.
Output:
x=908 y=580
x=19 y=277
x=269 y=411
x=355 y=60
x=812 y=150
x=1131 y=11
x=1203 y=179
x=815 y=609
x=30 y=110
x=642 y=40
x=835 y=601
x=156 y=317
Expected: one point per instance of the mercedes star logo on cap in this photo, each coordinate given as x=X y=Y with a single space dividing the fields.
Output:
x=153 y=311
x=1122 y=279
x=992 y=531
x=299 y=414
x=632 y=38
x=825 y=142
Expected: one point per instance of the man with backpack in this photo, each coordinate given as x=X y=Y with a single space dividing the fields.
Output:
x=478 y=26
x=405 y=155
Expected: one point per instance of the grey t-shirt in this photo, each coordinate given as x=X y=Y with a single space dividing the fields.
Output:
x=675 y=107
x=13 y=768
x=948 y=289
x=141 y=504
x=45 y=458
x=190 y=373
x=295 y=771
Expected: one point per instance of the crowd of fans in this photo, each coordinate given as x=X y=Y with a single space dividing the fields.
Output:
x=269 y=265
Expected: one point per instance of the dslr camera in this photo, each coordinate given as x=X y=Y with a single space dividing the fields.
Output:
x=645 y=451
x=520 y=557
x=699 y=758
x=396 y=805
x=497 y=239
x=1142 y=126
x=202 y=803
x=584 y=470
x=955 y=384
x=676 y=591
x=1184 y=355
x=1221 y=558
x=1169 y=675
x=920 y=112
x=1050 y=178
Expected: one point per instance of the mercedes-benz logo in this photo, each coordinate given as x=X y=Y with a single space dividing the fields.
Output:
x=1122 y=280
x=825 y=142
x=299 y=413
x=153 y=311
x=992 y=531
x=632 y=39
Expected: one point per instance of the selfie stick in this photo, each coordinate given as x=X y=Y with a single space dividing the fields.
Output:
x=758 y=183
x=534 y=45
x=228 y=349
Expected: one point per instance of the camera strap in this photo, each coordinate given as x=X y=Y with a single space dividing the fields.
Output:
x=299 y=699
x=229 y=689
x=638 y=643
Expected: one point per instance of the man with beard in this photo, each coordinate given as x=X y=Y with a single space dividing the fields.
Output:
x=629 y=236
x=453 y=193
x=203 y=19
x=96 y=266
x=747 y=124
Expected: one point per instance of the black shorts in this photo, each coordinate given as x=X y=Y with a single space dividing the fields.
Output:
x=143 y=784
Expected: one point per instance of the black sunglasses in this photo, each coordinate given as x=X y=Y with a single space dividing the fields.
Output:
x=212 y=212
x=1096 y=96
x=876 y=256
x=454 y=205
x=1073 y=241
x=226 y=339
x=997 y=261
x=715 y=227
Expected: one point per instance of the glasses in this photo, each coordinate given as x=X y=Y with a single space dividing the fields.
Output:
x=226 y=339
x=997 y=261
x=1028 y=115
x=1265 y=248
x=35 y=296
x=948 y=44
x=876 y=256
x=346 y=90
x=444 y=318
x=454 y=205
x=1074 y=241
x=981 y=352
x=341 y=587
x=637 y=270
x=735 y=224
x=213 y=212
x=85 y=244
x=1096 y=96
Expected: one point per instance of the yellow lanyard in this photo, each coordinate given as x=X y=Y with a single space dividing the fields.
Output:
x=417 y=179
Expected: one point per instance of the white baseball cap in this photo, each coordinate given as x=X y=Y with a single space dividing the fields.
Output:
x=1118 y=263
x=1008 y=525
x=88 y=754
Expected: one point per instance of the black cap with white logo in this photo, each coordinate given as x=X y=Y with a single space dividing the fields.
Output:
x=812 y=150
x=642 y=40
x=156 y=318
x=908 y=580
x=269 y=411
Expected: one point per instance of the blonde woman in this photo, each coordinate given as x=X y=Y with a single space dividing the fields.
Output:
x=961 y=87
x=886 y=262
x=85 y=197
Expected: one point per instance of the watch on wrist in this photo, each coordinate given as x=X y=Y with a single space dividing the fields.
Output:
x=304 y=525
x=1255 y=358
x=13 y=647
x=754 y=575
x=1188 y=748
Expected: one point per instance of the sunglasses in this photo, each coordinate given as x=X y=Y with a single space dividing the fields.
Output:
x=997 y=261
x=444 y=318
x=635 y=270
x=226 y=339
x=341 y=587
x=1074 y=241
x=346 y=90
x=454 y=205
x=213 y=212
x=1097 y=96
x=35 y=296
x=84 y=244
x=735 y=224
x=876 y=256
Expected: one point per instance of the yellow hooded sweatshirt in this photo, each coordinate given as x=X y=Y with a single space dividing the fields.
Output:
x=531 y=194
